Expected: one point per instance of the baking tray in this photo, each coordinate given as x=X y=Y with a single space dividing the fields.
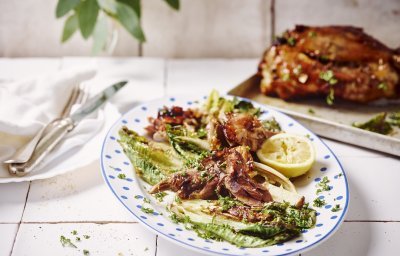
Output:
x=332 y=122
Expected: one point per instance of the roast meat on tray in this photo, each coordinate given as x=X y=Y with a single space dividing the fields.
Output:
x=332 y=62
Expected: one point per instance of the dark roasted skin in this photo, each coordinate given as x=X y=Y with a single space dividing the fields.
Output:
x=360 y=68
x=224 y=172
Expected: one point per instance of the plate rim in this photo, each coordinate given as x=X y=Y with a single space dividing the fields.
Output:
x=203 y=250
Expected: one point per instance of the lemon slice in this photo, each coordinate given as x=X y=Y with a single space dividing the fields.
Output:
x=290 y=154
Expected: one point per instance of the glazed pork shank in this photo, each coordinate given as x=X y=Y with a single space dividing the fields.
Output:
x=332 y=62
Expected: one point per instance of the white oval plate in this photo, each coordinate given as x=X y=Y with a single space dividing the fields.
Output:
x=131 y=190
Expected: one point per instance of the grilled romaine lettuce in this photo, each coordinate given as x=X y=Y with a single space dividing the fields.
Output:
x=152 y=161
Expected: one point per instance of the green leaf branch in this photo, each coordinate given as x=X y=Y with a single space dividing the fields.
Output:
x=90 y=17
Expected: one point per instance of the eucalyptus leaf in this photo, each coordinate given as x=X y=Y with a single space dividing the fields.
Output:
x=134 y=4
x=70 y=26
x=99 y=35
x=130 y=20
x=88 y=11
x=173 y=3
x=64 y=6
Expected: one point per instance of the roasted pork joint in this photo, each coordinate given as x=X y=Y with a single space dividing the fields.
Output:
x=332 y=62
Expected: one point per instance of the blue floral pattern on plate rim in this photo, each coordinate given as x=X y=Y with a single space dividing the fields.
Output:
x=131 y=191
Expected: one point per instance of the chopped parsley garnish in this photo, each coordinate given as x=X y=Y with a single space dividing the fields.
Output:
x=329 y=77
x=78 y=239
x=178 y=200
x=285 y=77
x=323 y=185
x=146 y=200
x=147 y=210
x=86 y=236
x=318 y=202
x=297 y=70
x=160 y=196
x=383 y=86
x=121 y=176
x=226 y=202
x=336 y=208
x=66 y=242
x=331 y=96
x=291 y=41
x=86 y=252
x=74 y=232
x=272 y=125
x=312 y=34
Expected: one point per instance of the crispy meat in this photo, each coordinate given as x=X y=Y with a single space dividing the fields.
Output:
x=245 y=130
x=226 y=172
x=189 y=118
x=357 y=67
x=239 y=183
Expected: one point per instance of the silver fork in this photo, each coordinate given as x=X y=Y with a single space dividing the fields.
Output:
x=78 y=95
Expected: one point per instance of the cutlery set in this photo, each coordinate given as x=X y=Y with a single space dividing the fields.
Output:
x=31 y=155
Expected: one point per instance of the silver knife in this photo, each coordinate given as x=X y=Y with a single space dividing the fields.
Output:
x=60 y=127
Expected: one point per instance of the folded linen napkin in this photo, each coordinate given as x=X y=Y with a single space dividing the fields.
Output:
x=27 y=106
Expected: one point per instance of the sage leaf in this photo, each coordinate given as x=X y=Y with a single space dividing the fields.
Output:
x=64 y=6
x=70 y=26
x=87 y=15
x=130 y=20
x=134 y=4
x=173 y=3
x=99 y=35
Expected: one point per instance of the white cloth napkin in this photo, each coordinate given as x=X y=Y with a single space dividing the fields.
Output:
x=27 y=106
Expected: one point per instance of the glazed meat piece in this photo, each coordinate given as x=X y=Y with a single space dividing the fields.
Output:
x=224 y=172
x=189 y=118
x=239 y=183
x=333 y=62
x=245 y=130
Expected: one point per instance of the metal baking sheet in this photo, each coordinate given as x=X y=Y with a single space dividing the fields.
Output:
x=332 y=122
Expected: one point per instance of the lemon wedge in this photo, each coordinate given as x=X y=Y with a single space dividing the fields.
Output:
x=290 y=154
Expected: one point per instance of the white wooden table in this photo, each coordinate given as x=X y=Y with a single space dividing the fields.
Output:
x=33 y=215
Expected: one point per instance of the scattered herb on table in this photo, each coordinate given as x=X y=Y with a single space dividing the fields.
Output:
x=121 y=176
x=336 y=208
x=86 y=252
x=311 y=111
x=146 y=200
x=318 y=202
x=86 y=236
x=74 y=232
x=146 y=249
x=78 y=239
x=66 y=242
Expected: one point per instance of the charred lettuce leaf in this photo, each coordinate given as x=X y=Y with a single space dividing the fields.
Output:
x=152 y=161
